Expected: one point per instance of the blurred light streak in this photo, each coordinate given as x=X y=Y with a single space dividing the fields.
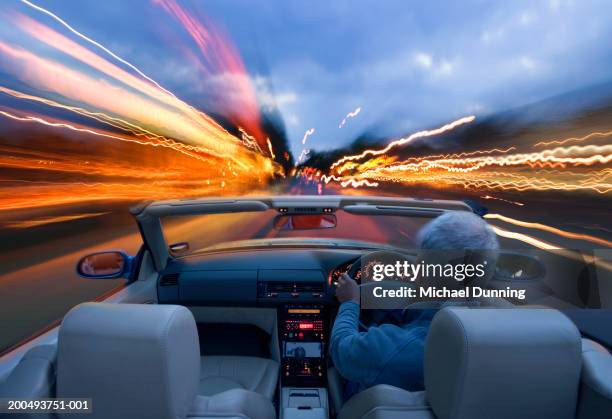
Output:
x=303 y=154
x=358 y=183
x=47 y=194
x=106 y=119
x=49 y=220
x=270 y=148
x=540 y=244
x=425 y=133
x=224 y=61
x=494 y=181
x=188 y=154
x=550 y=229
x=307 y=134
x=182 y=148
x=520 y=204
x=519 y=170
x=349 y=115
x=249 y=141
x=181 y=123
x=574 y=139
x=91 y=41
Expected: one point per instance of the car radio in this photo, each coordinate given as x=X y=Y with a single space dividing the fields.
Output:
x=303 y=333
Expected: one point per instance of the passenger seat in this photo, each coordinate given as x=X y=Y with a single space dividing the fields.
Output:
x=499 y=363
x=142 y=361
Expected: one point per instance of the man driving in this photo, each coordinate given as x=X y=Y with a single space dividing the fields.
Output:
x=393 y=353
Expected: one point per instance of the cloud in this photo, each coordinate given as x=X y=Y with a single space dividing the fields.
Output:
x=268 y=98
x=527 y=63
x=445 y=68
x=436 y=67
x=526 y=18
x=292 y=119
x=423 y=60
x=427 y=65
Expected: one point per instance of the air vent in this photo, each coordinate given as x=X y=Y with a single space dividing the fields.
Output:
x=279 y=287
x=169 y=280
x=309 y=287
x=288 y=287
x=305 y=209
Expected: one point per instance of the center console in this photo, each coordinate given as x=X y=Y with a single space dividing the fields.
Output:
x=304 y=330
x=304 y=403
x=303 y=336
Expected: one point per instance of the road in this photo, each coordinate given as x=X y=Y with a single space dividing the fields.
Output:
x=38 y=283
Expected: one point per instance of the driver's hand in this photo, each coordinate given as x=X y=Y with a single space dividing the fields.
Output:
x=347 y=289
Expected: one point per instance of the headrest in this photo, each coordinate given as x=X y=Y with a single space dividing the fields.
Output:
x=132 y=360
x=502 y=363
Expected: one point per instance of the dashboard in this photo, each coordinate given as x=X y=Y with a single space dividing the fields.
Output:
x=268 y=276
x=298 y=282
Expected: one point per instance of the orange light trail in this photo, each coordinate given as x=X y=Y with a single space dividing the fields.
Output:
x=151 y=145
x=519 y=169
x=541 y=244
x=550 y=229
x=574 y=139
x=599 y=182
x=106 y=119
x=520 y=204
x=357 y=183
x=54 y=77
x=403 y=141
x=180 y=147
x=50 y=220
x=270 y=148
x=348 y=181
x=249 y=140
x=36 y=196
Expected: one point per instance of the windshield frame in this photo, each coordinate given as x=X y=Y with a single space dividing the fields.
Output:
x=148 y=215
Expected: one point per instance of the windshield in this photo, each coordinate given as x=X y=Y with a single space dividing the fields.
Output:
x=215 y=231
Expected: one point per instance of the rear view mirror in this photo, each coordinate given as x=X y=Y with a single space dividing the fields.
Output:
x=518 y=267
x=304 y=221
x=104 y=265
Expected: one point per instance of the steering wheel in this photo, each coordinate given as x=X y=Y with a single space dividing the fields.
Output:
x=372 y=317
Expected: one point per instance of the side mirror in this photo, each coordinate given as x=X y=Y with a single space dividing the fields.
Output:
x=518 y=267
x=105 y=265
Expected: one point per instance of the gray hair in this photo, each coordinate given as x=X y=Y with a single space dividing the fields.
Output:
x=455 y=230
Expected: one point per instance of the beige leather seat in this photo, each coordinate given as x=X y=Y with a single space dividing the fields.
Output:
x=142 y=361
x=499 y=363
x=221 y=373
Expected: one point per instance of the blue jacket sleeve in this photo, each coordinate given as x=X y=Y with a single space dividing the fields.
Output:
x=357 y=355
x=378 y=355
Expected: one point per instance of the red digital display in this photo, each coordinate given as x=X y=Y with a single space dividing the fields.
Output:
x=306 y=326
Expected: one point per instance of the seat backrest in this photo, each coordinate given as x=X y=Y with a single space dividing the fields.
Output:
x=502 y=363
x=595 y=399
x=132 y=360
x=32 y=378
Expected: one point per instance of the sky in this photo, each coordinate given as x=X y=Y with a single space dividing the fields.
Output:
x=408 y=65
